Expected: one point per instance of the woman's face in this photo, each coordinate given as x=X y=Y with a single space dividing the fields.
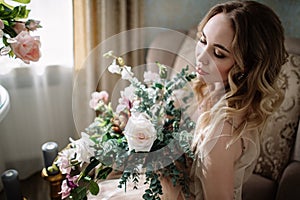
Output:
x=214 y=56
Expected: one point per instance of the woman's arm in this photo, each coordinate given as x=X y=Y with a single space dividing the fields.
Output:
x=218 y=167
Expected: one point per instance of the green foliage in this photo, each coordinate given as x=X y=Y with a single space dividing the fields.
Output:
x=103 y=173
x=93 y=187
x=155 y=188
x=79 y=193
x=94 y=162
x=11 y=14
x=173 y=128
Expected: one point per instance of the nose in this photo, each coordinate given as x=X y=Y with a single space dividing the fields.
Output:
x=202 y=57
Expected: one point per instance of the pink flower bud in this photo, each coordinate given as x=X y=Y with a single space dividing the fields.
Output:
x=32 y=25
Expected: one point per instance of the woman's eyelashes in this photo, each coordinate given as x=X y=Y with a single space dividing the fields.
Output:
x=217 y=52
x=202 y=40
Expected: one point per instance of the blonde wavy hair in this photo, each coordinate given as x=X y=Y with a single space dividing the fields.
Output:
x=258 y=50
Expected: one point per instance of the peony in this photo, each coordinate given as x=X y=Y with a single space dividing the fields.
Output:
x=26 y=47
x=140 y=133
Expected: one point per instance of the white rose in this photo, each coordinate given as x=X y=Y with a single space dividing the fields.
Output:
x=140 y=133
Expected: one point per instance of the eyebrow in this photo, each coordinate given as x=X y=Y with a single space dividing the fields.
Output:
x=217 y=45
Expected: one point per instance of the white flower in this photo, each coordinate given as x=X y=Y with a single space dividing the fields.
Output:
x=83 y=148
x=114 y=68
x=151 y=77
x=5 y=50
x=126 y=73
x=140 y=133
x=63 y=160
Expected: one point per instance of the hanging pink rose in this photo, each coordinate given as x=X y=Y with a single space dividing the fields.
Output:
x=26 y=47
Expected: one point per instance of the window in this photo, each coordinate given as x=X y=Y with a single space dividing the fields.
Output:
x=56 y=34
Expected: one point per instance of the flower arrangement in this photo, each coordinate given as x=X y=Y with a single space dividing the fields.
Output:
x=15 y=32
x=147 y=135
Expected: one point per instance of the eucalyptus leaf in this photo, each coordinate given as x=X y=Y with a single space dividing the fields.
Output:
x=103 y=173
x=94 y=188
x=94 y=162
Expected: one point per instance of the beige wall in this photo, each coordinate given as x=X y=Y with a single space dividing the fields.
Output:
x=182 y=14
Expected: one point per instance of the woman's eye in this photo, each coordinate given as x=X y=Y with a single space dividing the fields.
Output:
x=202 y=40
x=219 y=55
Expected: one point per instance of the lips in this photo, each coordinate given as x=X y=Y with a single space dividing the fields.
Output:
x=201 y=71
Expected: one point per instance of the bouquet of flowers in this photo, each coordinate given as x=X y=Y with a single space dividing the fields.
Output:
x=147 y=135
x=14 y=31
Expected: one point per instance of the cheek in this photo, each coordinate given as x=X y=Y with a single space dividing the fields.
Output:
x=224 y=68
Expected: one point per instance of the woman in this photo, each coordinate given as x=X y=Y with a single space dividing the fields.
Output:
x=239 y=55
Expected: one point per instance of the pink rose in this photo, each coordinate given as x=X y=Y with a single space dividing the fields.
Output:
x=19 y=27
x=26 y=47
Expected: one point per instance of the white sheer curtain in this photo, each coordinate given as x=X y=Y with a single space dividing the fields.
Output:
x=40 y=93
x=40 y=111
